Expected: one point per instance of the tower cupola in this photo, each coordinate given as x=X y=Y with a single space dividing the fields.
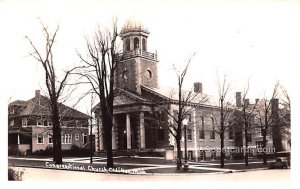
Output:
x=134 y=35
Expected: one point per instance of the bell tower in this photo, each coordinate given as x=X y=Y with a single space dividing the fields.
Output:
x=137 y=66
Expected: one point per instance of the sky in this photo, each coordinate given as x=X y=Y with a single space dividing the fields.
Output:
x=256 y=40
x=248 y=40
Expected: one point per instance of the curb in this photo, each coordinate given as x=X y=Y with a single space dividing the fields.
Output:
x=146 y=174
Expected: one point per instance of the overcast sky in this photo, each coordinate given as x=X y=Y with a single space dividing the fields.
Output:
x=256 y=40
x=249 y=39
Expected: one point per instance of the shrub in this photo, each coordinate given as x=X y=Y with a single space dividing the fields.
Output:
x=14 y=174
x=46 y=152
x=15 y=152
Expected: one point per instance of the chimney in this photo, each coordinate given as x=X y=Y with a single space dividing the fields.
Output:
x=198 y=87
x=246 y=102
x=37 y=93
x=238 y=98
x=275 y=105
x=256 y=100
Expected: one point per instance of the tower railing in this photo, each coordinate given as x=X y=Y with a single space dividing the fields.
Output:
x=138 y=52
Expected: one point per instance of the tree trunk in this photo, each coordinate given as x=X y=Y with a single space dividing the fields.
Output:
x=264 y=146
x=246 y=144
x=57 y=156
x=110 y=160
x=179 y=162
x=222 y=149
x=222 y=134
x=107 y=123
x=91 y=146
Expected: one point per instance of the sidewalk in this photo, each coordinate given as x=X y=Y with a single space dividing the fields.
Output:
x=136 y=165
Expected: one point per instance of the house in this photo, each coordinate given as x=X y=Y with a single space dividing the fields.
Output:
x=30 y=125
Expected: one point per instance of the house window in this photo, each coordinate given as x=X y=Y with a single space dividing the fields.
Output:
x=45 y=123
x=66 y=139
x=77 y=123
x=212 y=132
x=161 y=134
x=202 y=131
x=50 y=123
x=24 y=121
x=40 y=138
x=39 y=122
x=50 y=138
x=230 y=133
x=77 y=137
x=12 y=123
x=84 y=138
x=189 y=134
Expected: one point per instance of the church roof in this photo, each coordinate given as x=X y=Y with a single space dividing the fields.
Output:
x=125 y=97
x=172 y=94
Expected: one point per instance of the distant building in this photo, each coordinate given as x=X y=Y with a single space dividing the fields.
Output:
x=30 y=125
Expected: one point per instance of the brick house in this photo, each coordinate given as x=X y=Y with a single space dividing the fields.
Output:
x=30 y=125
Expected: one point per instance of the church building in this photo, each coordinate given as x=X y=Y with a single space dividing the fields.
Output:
x=139 y=121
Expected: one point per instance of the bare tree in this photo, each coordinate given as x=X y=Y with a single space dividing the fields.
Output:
x=99 y=71
x=186 y=101
x=263 y=114
x=247 y=116
x=225 y=111
x=285 y=113
x=55 y=86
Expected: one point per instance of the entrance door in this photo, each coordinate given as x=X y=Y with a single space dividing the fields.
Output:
x=124 y=141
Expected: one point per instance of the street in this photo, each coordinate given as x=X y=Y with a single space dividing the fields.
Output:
x=274 y=176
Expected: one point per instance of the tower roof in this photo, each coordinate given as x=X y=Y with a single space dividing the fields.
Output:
x=133 y=24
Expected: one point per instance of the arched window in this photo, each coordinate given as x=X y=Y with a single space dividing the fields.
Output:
x=127 y=44
x=212 y=132
x=202 y=131
x=144 y=44
x=136 y=43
